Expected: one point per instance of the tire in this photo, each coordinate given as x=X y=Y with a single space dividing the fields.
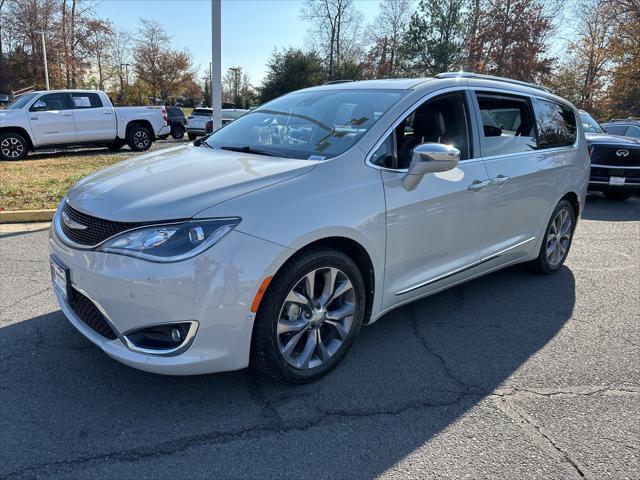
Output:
x=555 y=247
x=117 y=145
x=163 y=137
x=139 y=138
x=177 y=132
x=297 y=341
x=192 y=136
x=13 y=146
x=618 y=195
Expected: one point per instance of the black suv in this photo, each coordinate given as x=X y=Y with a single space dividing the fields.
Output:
x=615 y=161
x=177 y=121
x=625 y=128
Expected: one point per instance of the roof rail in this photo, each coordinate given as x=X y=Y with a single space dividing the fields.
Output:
x=629 y=119
x=333 y=82
x=491 y=77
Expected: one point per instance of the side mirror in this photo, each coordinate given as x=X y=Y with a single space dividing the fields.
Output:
x=38 y=106
x=430 y=158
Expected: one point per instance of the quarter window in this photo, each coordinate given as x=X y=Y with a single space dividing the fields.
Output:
x=507 y=124
x=556 y=124
x=86 y=100
x=633 y=131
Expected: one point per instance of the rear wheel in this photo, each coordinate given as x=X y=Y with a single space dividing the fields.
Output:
x=177 y=132
x=192 y=136
x=619 y=195
x=138 y=138
x=557 y=239
x=309 y=317
x=13 y=146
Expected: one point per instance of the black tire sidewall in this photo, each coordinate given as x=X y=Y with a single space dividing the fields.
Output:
x=175 y=130
x=264 y=336
x=22 y=140
x=543 y=263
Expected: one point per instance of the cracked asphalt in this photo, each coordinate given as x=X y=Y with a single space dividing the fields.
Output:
x=513 y=375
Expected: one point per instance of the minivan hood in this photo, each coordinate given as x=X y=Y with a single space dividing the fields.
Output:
x=605 y=138
x=177 y=183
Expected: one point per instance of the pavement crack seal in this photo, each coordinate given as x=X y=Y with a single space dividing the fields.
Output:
x=536 y=433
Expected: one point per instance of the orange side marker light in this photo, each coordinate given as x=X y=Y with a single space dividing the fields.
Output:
x=260 y=293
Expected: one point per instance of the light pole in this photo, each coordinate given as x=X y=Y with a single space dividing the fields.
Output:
x=44 y=58
x=216 y=69
x=236 y=81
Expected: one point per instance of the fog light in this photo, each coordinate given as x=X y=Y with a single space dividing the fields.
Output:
x=167 y=339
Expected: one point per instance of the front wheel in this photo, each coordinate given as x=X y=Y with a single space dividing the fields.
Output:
x=13 y=146
x=309 y=317
x=138 y=138
x=619 y=195
x=557 y=239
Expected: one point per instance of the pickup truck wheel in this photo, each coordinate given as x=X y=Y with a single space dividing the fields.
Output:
x=177 y=132
x=13 y=146
x=138 y=138
x=192 y=136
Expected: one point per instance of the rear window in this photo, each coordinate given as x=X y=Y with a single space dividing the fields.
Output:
x=201 y=112
x=174 y=111
x=556 y=124
x=616 y=129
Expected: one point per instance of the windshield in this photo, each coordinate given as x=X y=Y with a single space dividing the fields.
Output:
x=21 y=101
x=310 y=125
x=589 y=124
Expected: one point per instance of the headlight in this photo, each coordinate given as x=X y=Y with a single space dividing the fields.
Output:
x=170 y=242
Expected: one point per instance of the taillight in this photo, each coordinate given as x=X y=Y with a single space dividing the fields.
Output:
x=164 y=115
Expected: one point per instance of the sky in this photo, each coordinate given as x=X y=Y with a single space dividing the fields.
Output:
x=251 y=29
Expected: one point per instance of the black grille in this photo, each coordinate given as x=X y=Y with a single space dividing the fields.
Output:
x=606 y=155
x=97 y=231
x=87 y=311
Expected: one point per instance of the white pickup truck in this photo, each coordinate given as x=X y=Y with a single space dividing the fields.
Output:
x=63 y=118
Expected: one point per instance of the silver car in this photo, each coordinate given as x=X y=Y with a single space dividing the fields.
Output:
x=272 y=242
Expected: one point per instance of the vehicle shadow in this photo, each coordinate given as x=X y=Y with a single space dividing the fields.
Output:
x=70 y=410
x=598 y=207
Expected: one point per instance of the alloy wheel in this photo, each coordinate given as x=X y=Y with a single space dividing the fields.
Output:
x=316 y=318
x=559 y=237
x=11 y=147
x=141 y=139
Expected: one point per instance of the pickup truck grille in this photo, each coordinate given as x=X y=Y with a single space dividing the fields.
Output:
x=607 y=155
x=97 y=231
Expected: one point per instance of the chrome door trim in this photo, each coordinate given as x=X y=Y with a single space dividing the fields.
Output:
x=466 y=267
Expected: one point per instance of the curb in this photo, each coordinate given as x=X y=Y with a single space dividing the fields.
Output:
x=23 y=216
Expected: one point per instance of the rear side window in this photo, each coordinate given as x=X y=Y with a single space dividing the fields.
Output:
x=616 y=129
x=86 y=100
x=507 y=124
x=556 y=124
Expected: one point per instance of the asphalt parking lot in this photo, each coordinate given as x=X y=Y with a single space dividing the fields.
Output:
x=513 y=375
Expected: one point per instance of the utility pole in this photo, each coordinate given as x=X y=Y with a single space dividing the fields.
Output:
x=216 y=70
x=44 y=57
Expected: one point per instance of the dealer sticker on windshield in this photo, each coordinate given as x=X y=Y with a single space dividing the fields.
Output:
x=616 y=180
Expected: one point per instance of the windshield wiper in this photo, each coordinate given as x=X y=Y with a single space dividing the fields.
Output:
x=248 y=149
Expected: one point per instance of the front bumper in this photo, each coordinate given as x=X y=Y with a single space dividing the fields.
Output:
x=215 y=288
x=600 y=178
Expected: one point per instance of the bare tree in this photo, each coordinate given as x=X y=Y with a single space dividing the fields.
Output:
x=336 y=33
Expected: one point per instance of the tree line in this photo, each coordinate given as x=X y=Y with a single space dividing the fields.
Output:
x=585 y=50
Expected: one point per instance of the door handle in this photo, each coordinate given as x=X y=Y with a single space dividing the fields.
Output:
x=107 y=113
x=500 y=180
x=67 y=114
x=33 y=118
x=478 y=185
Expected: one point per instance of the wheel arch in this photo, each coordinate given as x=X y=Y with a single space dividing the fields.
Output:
x=141 y=123
x=20 y=131
x=574 y=200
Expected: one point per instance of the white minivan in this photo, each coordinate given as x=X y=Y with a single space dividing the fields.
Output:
x=274 y=239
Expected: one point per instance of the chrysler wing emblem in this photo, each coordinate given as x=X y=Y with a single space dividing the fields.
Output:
x=69 y=222
x=622 y=153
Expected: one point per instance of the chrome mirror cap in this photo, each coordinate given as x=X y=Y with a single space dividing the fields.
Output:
x=430 y=158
